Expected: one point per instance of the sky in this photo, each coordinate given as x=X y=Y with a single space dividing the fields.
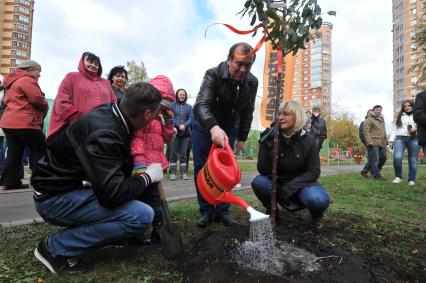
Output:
x=169 y=38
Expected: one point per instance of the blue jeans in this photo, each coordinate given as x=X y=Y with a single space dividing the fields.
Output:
x=374 y=154
x=201 y=145
x=315 y=197
x=89 y=224
x=413 y=149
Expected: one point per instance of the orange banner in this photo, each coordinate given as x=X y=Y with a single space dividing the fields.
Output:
x=270 y=76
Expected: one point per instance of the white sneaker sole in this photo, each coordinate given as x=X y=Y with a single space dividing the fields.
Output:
x=43 y=260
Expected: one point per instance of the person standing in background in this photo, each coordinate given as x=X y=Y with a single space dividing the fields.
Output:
x=318 y=127
x=419 y=115
x=182 y=121
x=404 y=136
x=22 y=120
x=79 y=93
x=118 y=79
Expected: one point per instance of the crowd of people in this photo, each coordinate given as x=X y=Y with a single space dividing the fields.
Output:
x=96 y=172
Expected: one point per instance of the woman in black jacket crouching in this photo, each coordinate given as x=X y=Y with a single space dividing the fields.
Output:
x=298 y=167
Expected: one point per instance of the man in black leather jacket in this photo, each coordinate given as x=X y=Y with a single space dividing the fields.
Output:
x=95 y=148
x=227 y=93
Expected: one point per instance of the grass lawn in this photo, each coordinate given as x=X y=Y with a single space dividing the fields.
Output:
x=378 y=219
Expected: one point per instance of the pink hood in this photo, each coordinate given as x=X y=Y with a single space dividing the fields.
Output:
x=165 y=86
x=88 y=74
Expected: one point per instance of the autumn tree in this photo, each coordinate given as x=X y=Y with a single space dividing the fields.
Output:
x=343 y=130
x=419 y=67
x=136 y=72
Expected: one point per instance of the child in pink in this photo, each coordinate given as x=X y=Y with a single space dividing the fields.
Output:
x=147 y=147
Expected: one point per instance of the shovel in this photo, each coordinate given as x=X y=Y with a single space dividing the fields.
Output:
x=171 y=240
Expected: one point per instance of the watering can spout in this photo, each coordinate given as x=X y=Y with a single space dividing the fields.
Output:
x=256 y=215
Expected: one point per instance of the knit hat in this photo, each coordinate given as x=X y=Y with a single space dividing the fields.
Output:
x=29 y=64
x=165 y=86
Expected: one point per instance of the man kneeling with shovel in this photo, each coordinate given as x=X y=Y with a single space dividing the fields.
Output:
x=95 y=148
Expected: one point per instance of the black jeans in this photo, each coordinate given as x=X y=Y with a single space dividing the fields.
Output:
x=17 y=139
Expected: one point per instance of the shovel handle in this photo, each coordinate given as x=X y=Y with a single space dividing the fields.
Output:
x=164 y=205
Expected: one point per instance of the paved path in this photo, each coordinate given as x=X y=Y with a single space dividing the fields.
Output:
x=17 y=207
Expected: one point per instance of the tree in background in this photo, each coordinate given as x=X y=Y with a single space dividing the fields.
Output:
x=136 y=73
x=342 y=130
x=419 y=67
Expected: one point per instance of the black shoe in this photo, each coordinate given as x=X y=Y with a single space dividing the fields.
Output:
x=155 y=237
x=364 y=174
x=204 y=220
x=58 y=264
x=379 y=178
x=17 y=187
x=228 y=221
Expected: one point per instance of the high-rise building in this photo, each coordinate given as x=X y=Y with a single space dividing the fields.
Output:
x=16 y=20
x=312 y=75
x=406 y=16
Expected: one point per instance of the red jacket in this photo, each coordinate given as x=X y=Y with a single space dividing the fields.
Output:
x=148 y=143
x=26 y=106
x=78 y=93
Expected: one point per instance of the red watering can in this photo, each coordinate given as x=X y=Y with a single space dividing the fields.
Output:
x=217 y=178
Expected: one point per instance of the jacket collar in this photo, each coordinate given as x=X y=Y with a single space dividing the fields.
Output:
x=123 y=119
x=224 y=73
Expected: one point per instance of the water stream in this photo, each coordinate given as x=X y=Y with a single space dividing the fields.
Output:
x=263 y=252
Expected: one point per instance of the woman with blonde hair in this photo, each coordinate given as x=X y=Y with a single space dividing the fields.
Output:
x=298 y=166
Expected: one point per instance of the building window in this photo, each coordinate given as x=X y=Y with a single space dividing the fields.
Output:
x=413 y=22
x=26 y=2
x=413 y=91
x=15 y=61
x=22 y=10
x=20 y=35
x=412 y=1
x=18 y=53
x=413 y=46
x=413 y=56
x=413 y=11
x=21 y=27
x=19 y=44
x=414 y=80
x=21 y=18
x=11 y=70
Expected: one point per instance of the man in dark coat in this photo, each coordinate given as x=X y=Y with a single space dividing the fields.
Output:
x=227 y=93
x=419 y=113
x=318 y=127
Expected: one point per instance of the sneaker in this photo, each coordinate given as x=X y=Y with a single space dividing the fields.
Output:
x=184 y=176
x=411 y=183
x=172 y=177
x=397 y=180
x=58 y=264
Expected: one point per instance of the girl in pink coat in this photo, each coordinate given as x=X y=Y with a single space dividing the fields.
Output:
x=79 y=93
x=148 y=143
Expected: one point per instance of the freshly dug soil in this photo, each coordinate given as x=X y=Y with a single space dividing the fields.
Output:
x=210 y=259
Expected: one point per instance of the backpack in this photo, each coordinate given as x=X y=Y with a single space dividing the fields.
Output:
x=361 y=133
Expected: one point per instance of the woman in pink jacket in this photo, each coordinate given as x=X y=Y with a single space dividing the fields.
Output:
x=79 y=93
x=22 y=120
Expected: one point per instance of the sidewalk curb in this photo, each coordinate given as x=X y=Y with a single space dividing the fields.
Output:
x=40 y=220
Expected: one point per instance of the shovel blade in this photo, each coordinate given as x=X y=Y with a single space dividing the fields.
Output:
x=171 y=241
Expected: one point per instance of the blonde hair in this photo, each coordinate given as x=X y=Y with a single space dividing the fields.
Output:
x=295 y=108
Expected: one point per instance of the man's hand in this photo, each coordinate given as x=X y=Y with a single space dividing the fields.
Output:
x=155 y=172
x=182 y=127
x=241 y=145
x=218 y=136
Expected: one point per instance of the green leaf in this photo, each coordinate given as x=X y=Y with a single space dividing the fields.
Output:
x=253 y=20
x=317 y=10
x=332 y=13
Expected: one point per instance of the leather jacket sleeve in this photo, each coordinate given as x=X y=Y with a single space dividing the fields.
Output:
x=101 y=158
x=205 y=101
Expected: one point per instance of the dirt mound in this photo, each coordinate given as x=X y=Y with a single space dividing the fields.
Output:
x=212 y=259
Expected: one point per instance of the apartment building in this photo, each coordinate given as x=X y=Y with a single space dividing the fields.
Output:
x=16 y=20
x=406 y=16
x=312 y=75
